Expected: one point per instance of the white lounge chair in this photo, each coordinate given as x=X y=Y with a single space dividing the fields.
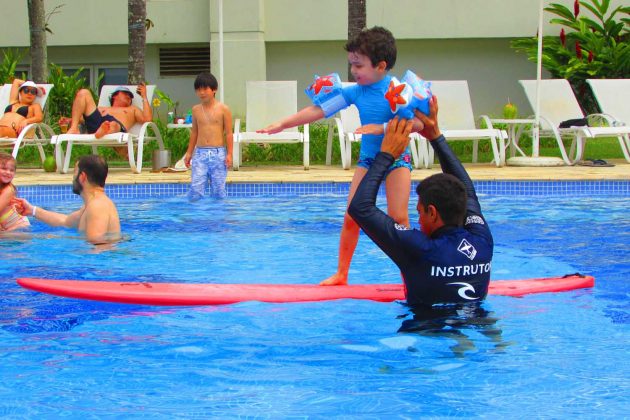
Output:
x=558 y=104
x=613 y=97
x=457 y=121
x=268 y=102
x=346 y=124
x=136 y=136
x=38 y=134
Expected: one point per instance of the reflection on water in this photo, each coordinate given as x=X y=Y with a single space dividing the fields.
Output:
x=324 y=359
x=452 y=322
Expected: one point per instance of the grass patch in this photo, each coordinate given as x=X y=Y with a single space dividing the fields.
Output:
x=291 y=154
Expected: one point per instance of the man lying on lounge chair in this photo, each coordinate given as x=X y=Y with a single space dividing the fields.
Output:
x=118 y=117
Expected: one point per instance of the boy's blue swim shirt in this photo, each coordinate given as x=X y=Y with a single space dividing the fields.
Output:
x=373 y=109
x=328 y=93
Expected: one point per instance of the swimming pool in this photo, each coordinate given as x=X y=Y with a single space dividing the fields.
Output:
x=552 y=355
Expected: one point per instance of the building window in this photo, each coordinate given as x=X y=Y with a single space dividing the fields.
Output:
x=112 y=76
x=85 y=73
x=23 y=72
x=188 y=61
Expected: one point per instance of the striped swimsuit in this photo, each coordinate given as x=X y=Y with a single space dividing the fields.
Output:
x=10 y=219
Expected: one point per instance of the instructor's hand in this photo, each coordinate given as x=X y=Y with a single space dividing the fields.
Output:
x=396 y=137
x=431 y=131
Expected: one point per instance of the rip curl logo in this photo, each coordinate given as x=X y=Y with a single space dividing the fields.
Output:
x=400 y=227
x=466 y=287
x=474 y=219
x=467 y=249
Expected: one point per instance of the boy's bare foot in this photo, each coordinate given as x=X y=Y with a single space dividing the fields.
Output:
x=103 y=129
x=73 y=130
x=335 y=280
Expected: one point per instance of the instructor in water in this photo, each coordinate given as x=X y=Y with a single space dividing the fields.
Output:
x=449 y=259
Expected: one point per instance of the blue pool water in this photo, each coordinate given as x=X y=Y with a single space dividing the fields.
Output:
x=552 y=355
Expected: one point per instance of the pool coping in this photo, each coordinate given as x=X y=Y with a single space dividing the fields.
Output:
x=35 y=184
x=334 y=173
x=54 y=193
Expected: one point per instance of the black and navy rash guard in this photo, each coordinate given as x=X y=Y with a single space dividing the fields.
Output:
x=450 y=266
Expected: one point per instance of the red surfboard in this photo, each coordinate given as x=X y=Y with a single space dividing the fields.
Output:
x=186 y=294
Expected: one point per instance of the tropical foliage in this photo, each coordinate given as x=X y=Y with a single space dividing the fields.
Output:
x=592 y=43
x=66 y=87
x=10 y=59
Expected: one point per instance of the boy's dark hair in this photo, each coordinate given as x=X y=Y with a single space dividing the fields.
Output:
x=204 y=80
x=377 y=43
x=447 y=194
x=95 y=168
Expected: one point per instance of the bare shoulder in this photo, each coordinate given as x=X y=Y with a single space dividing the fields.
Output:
x=99 y=204
x=225 y=108
x=8 y=191
x=196 y=111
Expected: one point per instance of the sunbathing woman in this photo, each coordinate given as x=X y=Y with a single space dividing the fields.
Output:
x=22 y=109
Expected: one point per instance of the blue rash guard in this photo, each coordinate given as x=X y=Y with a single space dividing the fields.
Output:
x=373 y=109
x=450 y=266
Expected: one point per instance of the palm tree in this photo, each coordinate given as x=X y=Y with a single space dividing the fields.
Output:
x=356 y=22
x=136 y=24
x=37 y=29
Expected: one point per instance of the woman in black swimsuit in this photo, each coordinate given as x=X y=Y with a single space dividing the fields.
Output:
x=22 y=109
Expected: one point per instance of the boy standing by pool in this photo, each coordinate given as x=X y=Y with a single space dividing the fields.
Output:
x=211 y=142
x=371 y=54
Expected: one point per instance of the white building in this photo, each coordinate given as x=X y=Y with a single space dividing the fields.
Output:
x=290 y=40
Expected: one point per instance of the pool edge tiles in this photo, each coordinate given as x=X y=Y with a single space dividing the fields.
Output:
x=554 y=188
x=49 y=193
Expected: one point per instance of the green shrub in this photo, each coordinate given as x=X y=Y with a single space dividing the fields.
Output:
x=593 y=46
x=11 y=58
x=59 y=103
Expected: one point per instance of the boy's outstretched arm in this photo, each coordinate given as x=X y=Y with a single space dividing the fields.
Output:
x=304 y=116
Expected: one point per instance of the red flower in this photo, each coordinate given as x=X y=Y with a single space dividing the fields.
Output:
x=576 y=8
x=590 y=56
x=578 y=50
x=563 y=38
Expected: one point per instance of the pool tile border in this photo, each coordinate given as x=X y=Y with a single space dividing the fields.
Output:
x=51 y=193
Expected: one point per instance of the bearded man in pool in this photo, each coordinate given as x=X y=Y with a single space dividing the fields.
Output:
x=97 y=218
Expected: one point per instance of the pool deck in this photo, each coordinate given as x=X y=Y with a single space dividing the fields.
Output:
x=322 y=173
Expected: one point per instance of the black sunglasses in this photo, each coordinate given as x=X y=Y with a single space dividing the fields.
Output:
x=31 y=90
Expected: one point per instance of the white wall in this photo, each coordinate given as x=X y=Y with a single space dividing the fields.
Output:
x=294 y=39
x=492 y=78
x=94 y=22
